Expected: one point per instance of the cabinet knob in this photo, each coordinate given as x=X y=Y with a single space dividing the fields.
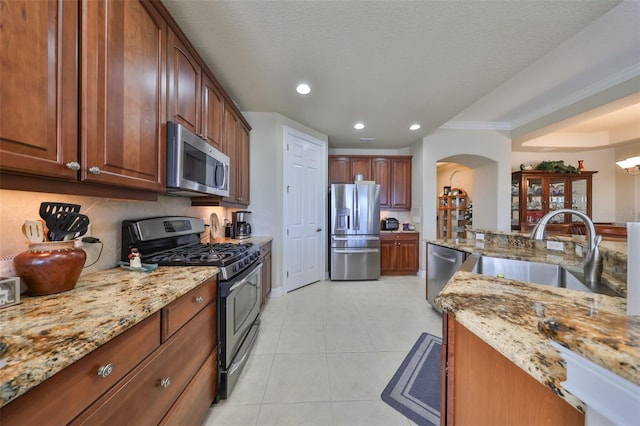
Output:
x=105 y=370
x=164 y=383
x=94 y=170
x=73 y=165
x=318 y=229
x=199 y=299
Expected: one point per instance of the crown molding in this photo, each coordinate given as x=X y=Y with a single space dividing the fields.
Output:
x=477 y=125
x=598 y=87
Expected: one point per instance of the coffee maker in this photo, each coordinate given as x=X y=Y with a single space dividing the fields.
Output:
x=240 y=228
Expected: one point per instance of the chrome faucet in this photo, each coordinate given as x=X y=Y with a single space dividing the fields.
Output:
x=593 y=260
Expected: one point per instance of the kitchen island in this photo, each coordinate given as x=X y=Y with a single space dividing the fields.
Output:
x=502 y=318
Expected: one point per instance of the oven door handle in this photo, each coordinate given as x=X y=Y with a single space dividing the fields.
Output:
x=245 y=279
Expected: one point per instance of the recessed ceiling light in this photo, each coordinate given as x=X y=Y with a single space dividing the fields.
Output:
x=303 y=89
x=358 y=126
x=414 y=127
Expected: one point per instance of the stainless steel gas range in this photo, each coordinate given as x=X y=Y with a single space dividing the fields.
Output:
x=175 y=241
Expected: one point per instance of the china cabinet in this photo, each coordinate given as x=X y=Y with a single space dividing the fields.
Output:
x=536 y=193
x=452 y=209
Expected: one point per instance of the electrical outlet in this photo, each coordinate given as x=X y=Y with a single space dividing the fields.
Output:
x=479 y=236
x=579 y=251
x=479 y=244
x=555 y=245
x=88 y=234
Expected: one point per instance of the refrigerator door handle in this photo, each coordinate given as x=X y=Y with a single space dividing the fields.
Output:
x=356 y=219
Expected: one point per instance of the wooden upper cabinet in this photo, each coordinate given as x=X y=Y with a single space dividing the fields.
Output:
x=243 y=168
x=39 y=87
x=400 y=191
x=360 y=166
x=236 y=146
x=381 y=173
x=229 y=147
x=344 y=169
x=339 y=170
x=123 y=73
x=212 y=113
x=184 y=85
x=194 y=100
x=393 y=173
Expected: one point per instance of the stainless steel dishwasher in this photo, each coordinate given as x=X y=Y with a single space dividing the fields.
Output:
x=442 y=263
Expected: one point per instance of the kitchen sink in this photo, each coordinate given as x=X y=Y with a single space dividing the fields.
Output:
x=571 y=277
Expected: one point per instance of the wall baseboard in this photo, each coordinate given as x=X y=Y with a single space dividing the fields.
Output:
x=277 y=292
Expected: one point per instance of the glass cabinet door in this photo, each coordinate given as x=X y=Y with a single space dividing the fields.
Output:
x=515 y=204
x=579 y=195
x=534 y=199
x=556 y=198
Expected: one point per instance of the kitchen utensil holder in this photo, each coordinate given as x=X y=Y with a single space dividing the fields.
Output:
x=50 y=267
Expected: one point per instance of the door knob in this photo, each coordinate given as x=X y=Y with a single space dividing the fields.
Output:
x=73 y=165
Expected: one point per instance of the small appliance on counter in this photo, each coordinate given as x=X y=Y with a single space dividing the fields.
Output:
x=240 y=228
x=389 y=224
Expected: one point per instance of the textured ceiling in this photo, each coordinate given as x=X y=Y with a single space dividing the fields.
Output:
x=386 y=63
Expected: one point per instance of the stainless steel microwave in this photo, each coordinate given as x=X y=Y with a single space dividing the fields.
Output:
x=194 y=168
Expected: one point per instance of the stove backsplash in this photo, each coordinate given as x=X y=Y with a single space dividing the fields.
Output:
x=105 y=215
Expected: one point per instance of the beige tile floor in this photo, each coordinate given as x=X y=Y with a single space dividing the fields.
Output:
x=325 y=353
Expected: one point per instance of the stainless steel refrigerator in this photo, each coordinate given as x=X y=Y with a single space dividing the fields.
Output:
x=355 y=232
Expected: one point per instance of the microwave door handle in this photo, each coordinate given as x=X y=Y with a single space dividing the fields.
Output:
x=225 y=173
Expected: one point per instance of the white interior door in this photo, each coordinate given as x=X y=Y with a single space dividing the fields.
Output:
x=305 y=209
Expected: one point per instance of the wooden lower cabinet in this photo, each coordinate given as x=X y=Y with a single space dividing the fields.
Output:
x=193 y=404
x=145 y=395
x=399 y=253
x=66 y=394
x=265 y=257
x=482 y=387
x=136 y=378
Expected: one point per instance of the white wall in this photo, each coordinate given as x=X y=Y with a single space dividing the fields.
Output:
x=477 y=149
x=627 y=187
x=267 y=182
x=456 y=176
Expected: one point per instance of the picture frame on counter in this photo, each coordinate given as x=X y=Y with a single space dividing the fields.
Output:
x=9 y=291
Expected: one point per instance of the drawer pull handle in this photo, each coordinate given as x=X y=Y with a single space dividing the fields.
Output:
x=105 y=370
x=164 y=383
x=199 y=299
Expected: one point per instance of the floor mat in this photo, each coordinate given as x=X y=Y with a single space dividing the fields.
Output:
x=414 y=390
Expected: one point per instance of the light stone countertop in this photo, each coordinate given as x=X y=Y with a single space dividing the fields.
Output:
x=519 y=319
x=45 y=334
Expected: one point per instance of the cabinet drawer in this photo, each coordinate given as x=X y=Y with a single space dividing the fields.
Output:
x=193 y=404
x=145 y=395
x=62 y=397
x=264 y=249
x=403 y=236
x=176 y=314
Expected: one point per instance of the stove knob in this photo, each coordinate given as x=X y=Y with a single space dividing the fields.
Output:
x=236 y=267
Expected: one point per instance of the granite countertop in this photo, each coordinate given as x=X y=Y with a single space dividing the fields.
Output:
x=608 y=248
x=518 y=320
x=45 y=334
